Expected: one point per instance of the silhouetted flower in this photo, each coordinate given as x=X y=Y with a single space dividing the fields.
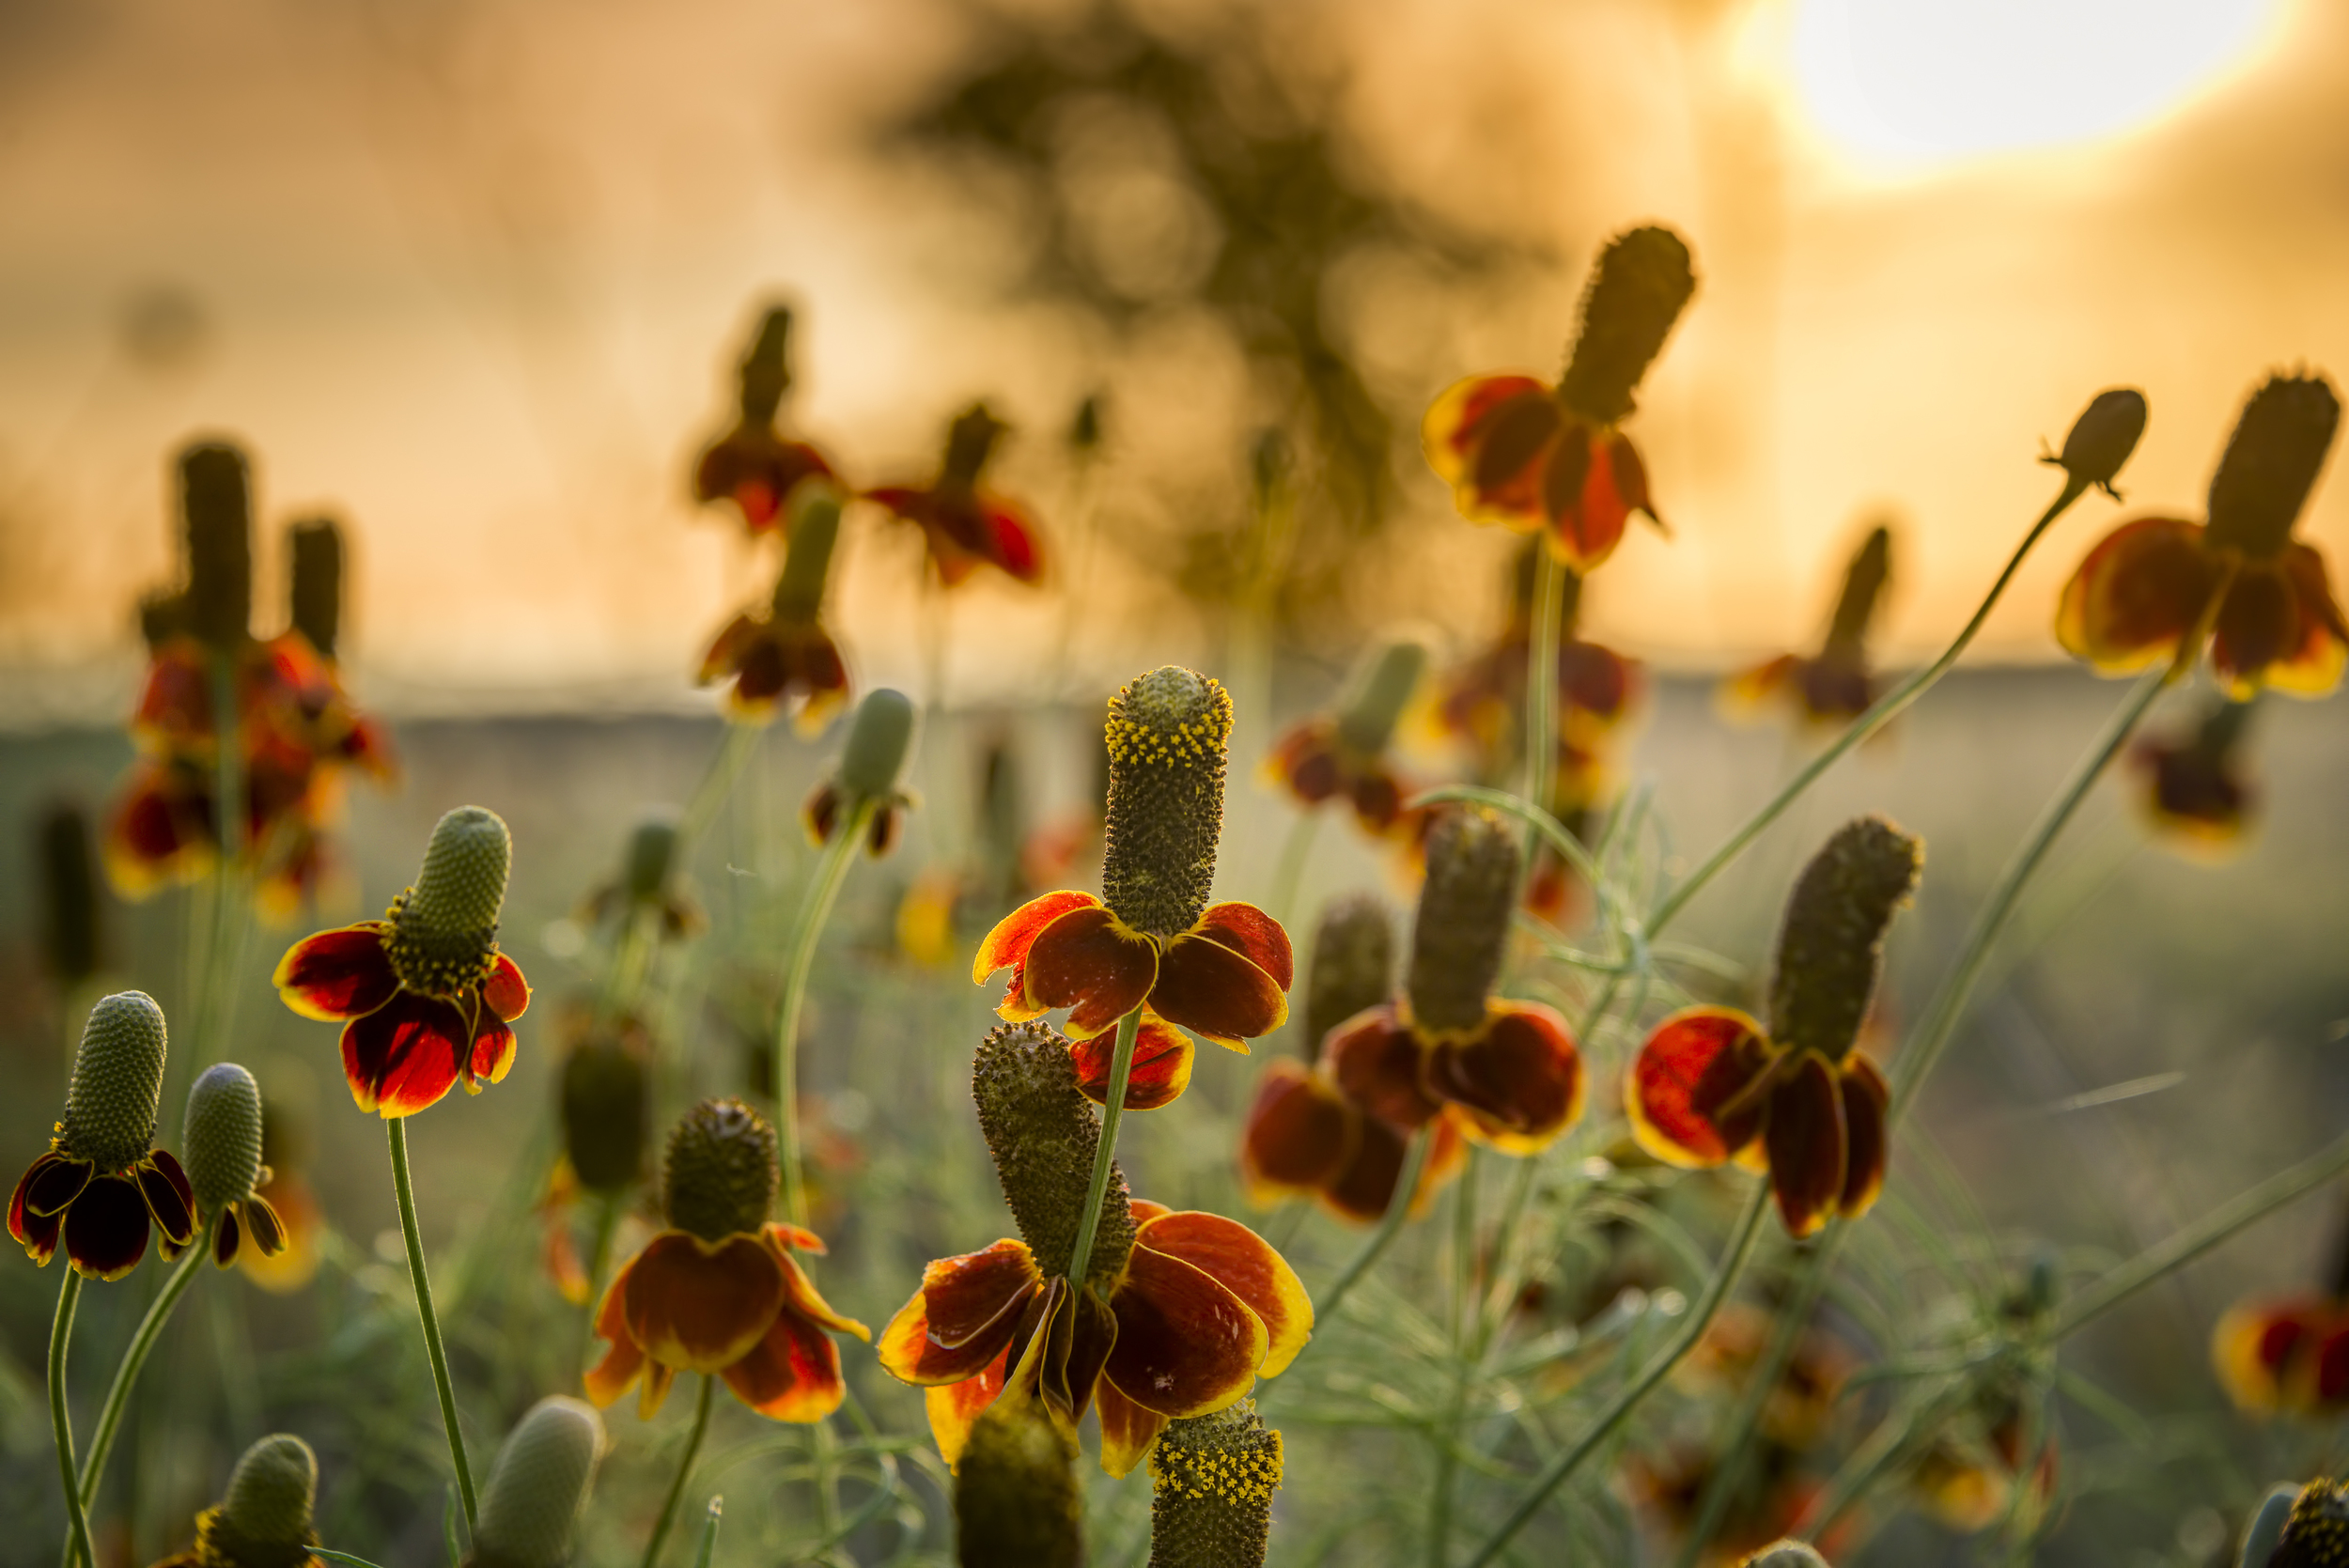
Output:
x=967 y=527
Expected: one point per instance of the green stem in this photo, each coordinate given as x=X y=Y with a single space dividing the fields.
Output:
x=110 y=1414
x=717 y=784
x=1541 y=683
x=1881 y=713
x=1464 y=1319
x=598 y=1260
x=832 y=872
x=1717 y=1290
x=1871 y=1460
x=228 y=822
x=684 y=1473
x=61 y=1419
x=1289 y=871
x=1105 y=1152
x=396 y=1130
x=711 y=1517
x=1390 y=1224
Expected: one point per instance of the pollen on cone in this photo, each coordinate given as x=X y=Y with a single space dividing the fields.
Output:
x=1831 y=948
x=1043 y=1133
x=538 y=1487
x=1353 y=965
x=1167 y=735
x=1212 y=1479
x=879 y=737
x=266 y=1516
x=462 y=885
x=118 y=1088
x=1462 y=932
x=220 y=1140
x=719 y=1177
x=2316 y=1532
x=1017 y=1501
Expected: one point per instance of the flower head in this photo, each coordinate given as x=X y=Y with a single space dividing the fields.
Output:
x=754 y=465
x=865 y=779
x=265 y=1520
x=651 y=881
x=2158 y=588
x=1836 y=685
x=2193 y=788
x=718 y=1289
x=1530 y=456
x=222 y=1136
x=2289 y=1354
x=1712 y=1085
x=1342 y=754
x=425 y=999
x=1152 y=939
x=783 y=658
x=102 y=1179
x=967 y=527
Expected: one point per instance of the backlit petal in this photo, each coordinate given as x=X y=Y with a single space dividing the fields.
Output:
x=962 y=1316
x=1688 y=1092
x=1089 y=963
x=2257 y=624
x=954 y=1408
x=1298 y=1133
x=1867 y=1100
x=1805 y=1138
x=2139 y=592
x=1218 y=990
x=226 y=1234
x=338 y=974
x=1305 y=761
x=1521 y=1079
x=492 y=1049
x=105 y=1230
x=170 y=1198
x=623 y=1359
x=1377 y=1064
x=792 y=1374
x=50 y=1183
x=1483 y=435
x=2255 y=1343
x=1246 y=1265
x=1161 y=1066
x=700 y=1309
x=1127 y=1431
x=506 y=992
x=405 y=1055
x=1587 y=513
x=1008 y=943
x=2312 y=666
x=1012 y=541
x=1255 y=936
x=800 y=1295
x=1186 y=1346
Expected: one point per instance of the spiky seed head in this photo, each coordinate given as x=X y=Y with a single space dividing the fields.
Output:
x=651 y=850
x=2102 y=437
x=1784 y=1554
x=815 y=530
x=1043 y=1133
x=1212 y=1479
x=1353 y=965
x=879 y=736
x=117 y=1087
x=538 y=1486
x=1462 y=932
x=1017 y=1501
x=316 y=548
x=719 y=1177
x=1167 y=734
x=1382 y=684
x=1864 y=582
x=970 y=442
x=1830 y=947
x=2266 y=1526
x=1642 y=281
x=218 y=509
x=220 y=1138
x=606 y=1111
x=445 y=928
x=2271 y=463
x=68 y=885
x=2316 y=1531
x=766 y=369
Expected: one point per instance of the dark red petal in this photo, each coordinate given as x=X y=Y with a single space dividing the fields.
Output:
x=269 y=1231
x=1298 y=1133
x=1220 y=991
x=1246 y=1265
x=338 y=974
x=728 y=650
x=105 y=1230
x=1377 y=1063
x=169 y=1198
x=1186 y=1345
x=2259 y=623
x=1161 y=1067
x=974 y=1295
x=700 y=1309
x=610 y=1377
x=1088 y=962
x=1011 y=539
x=792 y=1374
x=506 y=992
x=1255 y=936
x=52 y=1182
x=1306 y=761
x=1805 y=1138
x=1688 y=1093
x=405 y=1055
x=1008 y=944
x=492 y=1050
x=1867 y=1101
x=225 y=1237
x=1520 y=1081
x=2139 y=592
x=1511 y=444
x=1127 y=1431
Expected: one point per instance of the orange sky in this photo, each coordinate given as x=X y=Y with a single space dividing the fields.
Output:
x=472 y=276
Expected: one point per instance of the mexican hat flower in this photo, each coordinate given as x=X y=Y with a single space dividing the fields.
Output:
x=865 y=783
x=265 y=1520
x=2158 y=588
x=753 y=464
x=1507 y=1073
x=1835 y=685
x=784 y=658
x=1481 y=701
x=1529 y=456
x=1343 y=755
x=1303 y=1135
x=1152 y=939
x=2193 y=788
x=222 y=1136
x=2289 y=1354
x=718 y=1291
x=1179 y=1314
x=101 y=1181
x=603 y=1101
x=651 y=883
x=965 y=526
x=1796 y=1099
x=425 y=999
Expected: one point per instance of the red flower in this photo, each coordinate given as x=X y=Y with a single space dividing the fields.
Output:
x=1202 y=1309
x=1227 y=977
x=757 y=470
x=1303 y=1136
x=1835 y=685
x=774 y=662
x=101 y=1216
x=2288 y=1355
x=1314 y=763
x=1513 y=1081
x=2192 y=786
x=967 y=527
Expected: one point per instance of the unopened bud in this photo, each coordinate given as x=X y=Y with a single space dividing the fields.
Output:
x=1642 y=281
x=766 y=369
x=2316 y=1533
x=1167 y=734
x=1043 y=1133
x=219 y=515
x=69 y=886
x=1017 y=1501
x=719 y=1177
x=264 y=1522
x=1831 y=948
x=2102 y=437
x=1462 y=931
x=316 y=548
x=1353 y=965
x=220 y=1138
x=2271 y=464
x=606 y=1107
x=117 y=1087
x=879 y=736
x=970 y=442
x=539 y=1486
x=1864 y=582
x=1382 y=684
x=1212 y=1479
x=815 y=530
x=651 y=848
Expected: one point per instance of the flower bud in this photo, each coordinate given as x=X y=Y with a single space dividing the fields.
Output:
x=1043 y=1133
x=606 y=1107
x=1784 y=1554
x=1462 y=931
x=1864 y=582
x=2316 y=1533
x=1167 y=733
x=651 y=848
x=220 y=1138
x=879 y=736
x=264 y=1522
x=2271 y=463
x=1642 y=281
x=445 y=928
x=1374 y=700
x=219 y=517
x=970 y=442
x=117 y=1087
x=1212 y=1479
x=69 y=886
x=1831 y=948
x=815 y=530
x=317 y=550
x=765 y=369
x=1017 y=1501
x=1353 y=965
x=2266 y=1526
x=2102 y=438
x=719 y=1177
x=538 y=1486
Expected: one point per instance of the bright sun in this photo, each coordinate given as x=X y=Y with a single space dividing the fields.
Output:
x=1908 y=83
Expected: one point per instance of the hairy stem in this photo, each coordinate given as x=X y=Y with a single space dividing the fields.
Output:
x=684 y=1472
x=396 y=1130
x=831 y=873
x=1112 y=1112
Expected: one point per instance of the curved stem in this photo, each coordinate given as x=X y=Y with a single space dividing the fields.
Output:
x=1881 y=713
x=228 y=822
x=716 y=784
x=1541 y=682
x=396 y=1131
x=1389 y=1223
x=151 y=1327
x=831 y=872
x=1717 y=1290
x=1289 y=872
x=61 y=1419
x=684 y=1472
x=1105 y=1150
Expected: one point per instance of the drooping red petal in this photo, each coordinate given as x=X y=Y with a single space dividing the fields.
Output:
x=1161 y=1067
x=2257 y=624
x=1186 y=1345
x=38 y=1235
x=1521 y=1079
x=492 y=1054
x=654 y=1392
x=792 y=1374
x=1805 y=1137
x=954 y=1408
x=338 y=974
x=2327 y=1362
x=1362 y=1187
x=1485 y=436
x=260 y=1216
x=728 y=649
x=1011 y=539
x=963 y=1316
x=1688 y=1094
x=170 y=1201
x=1219 y=990
x=1089 y=963
x=701 y=1308
x=50 y=1183
x=1306 y=761
x=1246 y=1265
x=1587 y=513
x=2138 y=593
x=1127 y=1431
x=1298 y=1133
x=624 y=1359
x=2313 y=668
x=2255 y=1344
x=105 y=1228
x=506 y=992
x=406 y=1055
x=1376 y=1063
x=226 y=1235
x=1006 y=946
x=1867 y=1103
x=1255 y=936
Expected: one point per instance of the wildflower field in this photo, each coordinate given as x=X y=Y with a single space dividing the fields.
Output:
x=1264 y=1035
